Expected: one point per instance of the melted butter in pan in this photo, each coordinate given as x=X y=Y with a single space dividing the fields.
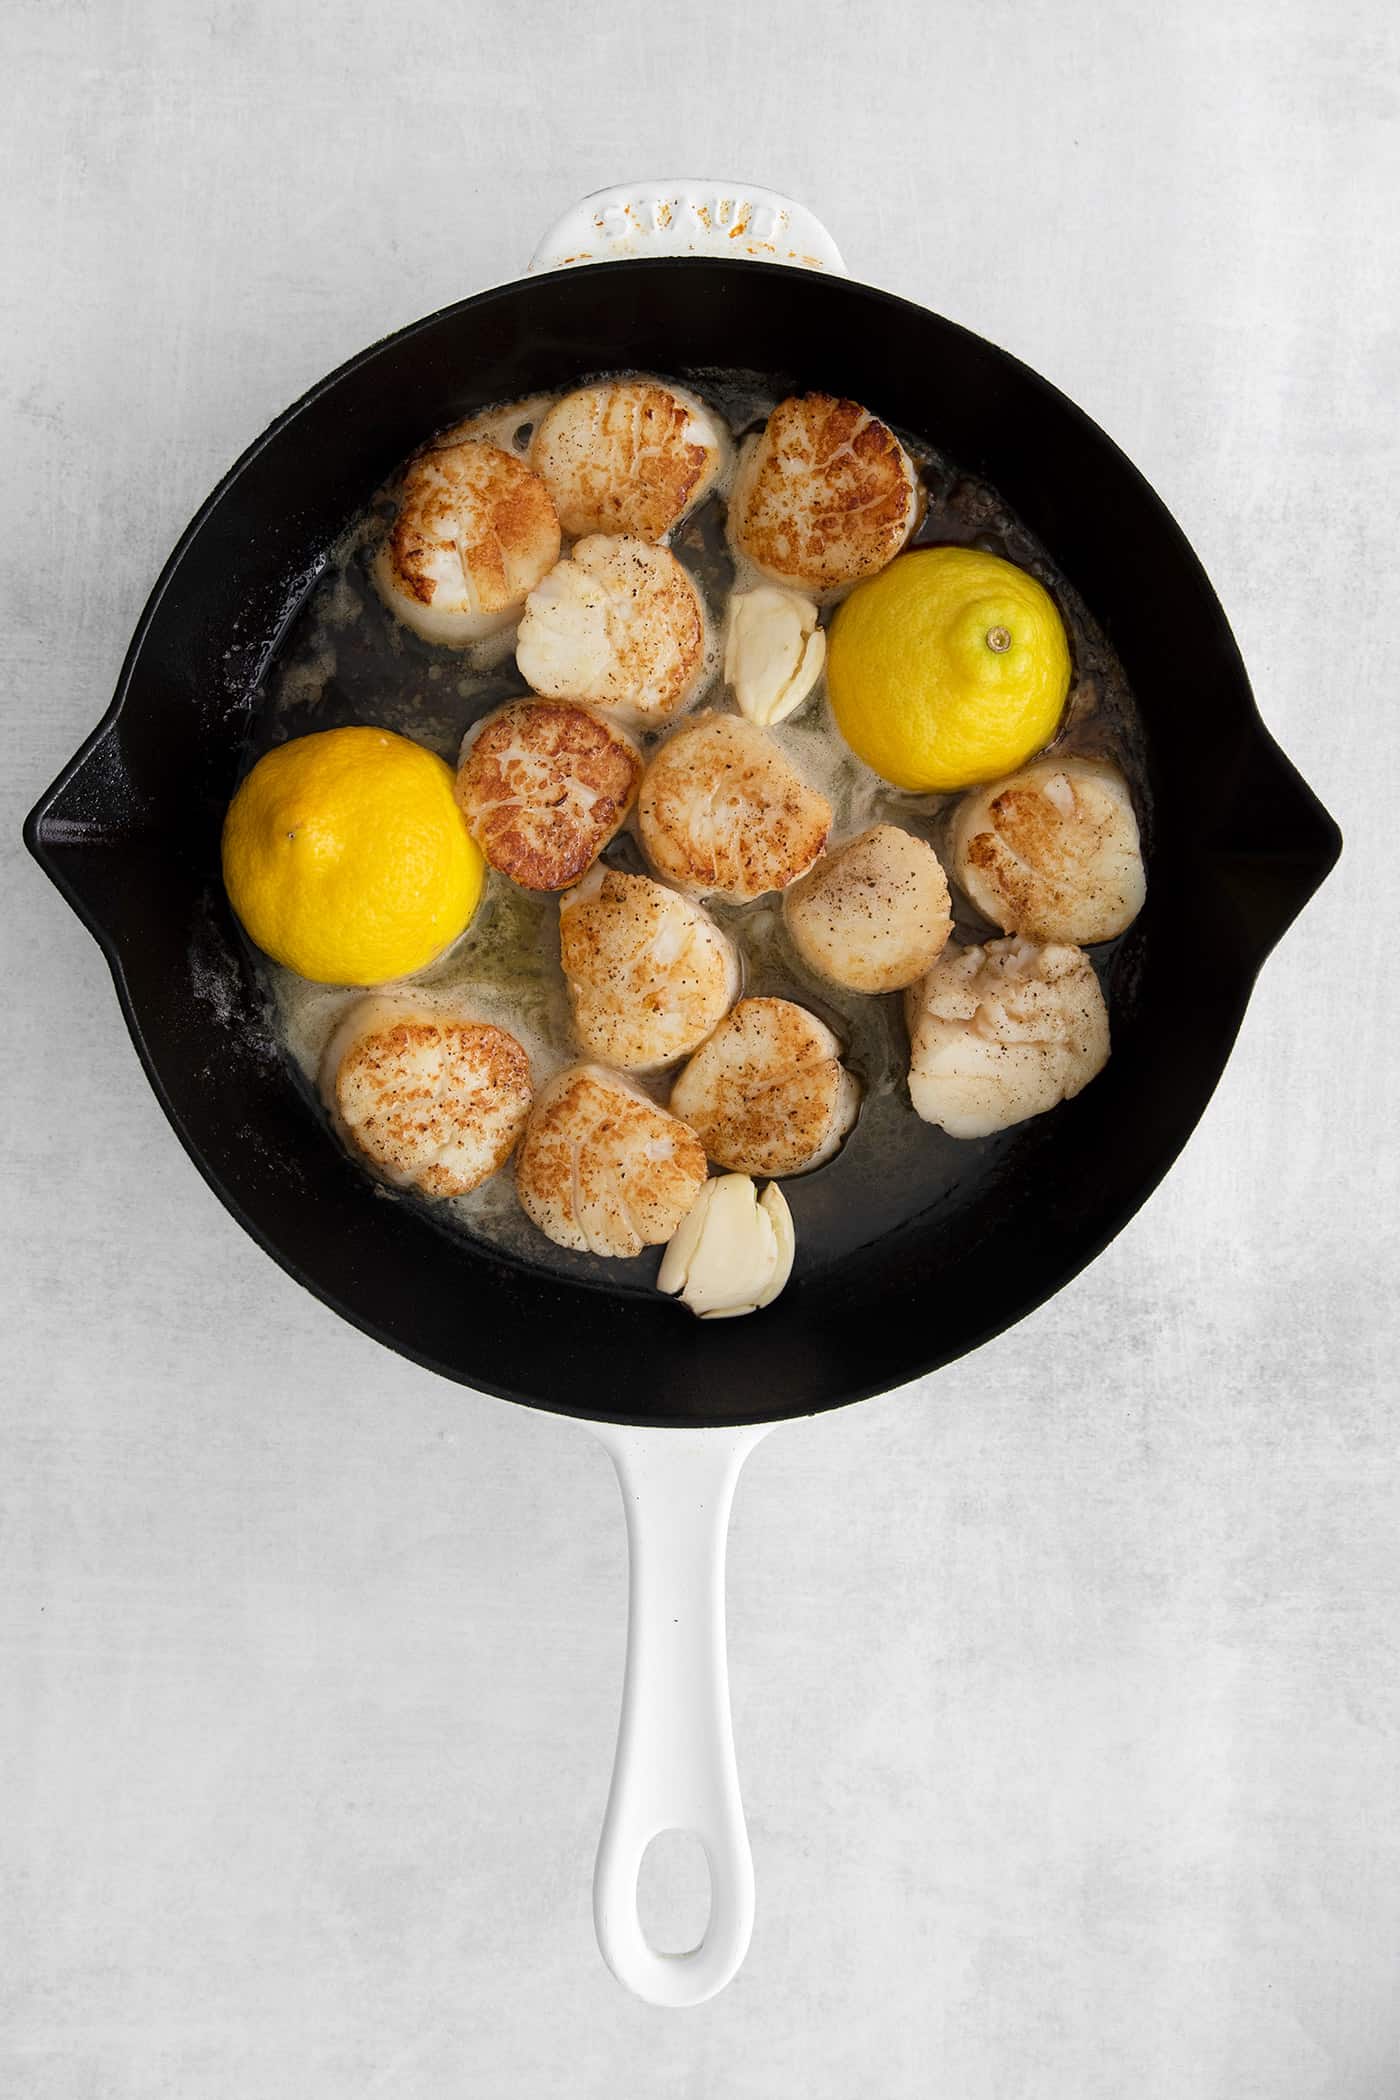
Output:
x=345 y=659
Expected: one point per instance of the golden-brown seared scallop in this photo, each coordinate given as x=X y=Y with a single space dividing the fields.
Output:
x=543 y=788
x=474 y=533
x=649 y=973
x=618 y=625
x=628 y=456
x=723 y=812
x=1053 y=852
x=873 y=914
x=602 y=1169
x=429 y=1100
x=1003 y=1032
x=768 y=1093
x=824 y=495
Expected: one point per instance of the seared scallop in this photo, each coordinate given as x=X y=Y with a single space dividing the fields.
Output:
x=723 y=812
x=873 y=914
x=543 y=788
x=649 y=973
x=1003 y=1032
x=474 y=533
x=602 y=1169
x=628 y=456
x=824 y=495
x=1053 y=852
x=429 y=1100
x=768 y=1093
x=618 y=625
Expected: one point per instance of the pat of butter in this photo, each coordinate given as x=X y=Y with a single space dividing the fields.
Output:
x=773 y=652
x=732 y=1252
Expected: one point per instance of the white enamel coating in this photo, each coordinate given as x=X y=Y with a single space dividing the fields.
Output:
x=675 y=1767
x=688 y=215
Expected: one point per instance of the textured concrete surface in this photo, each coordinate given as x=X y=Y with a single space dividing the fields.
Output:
x=1065 y=1685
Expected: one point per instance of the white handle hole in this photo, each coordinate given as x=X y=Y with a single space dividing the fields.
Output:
x=673 y=1892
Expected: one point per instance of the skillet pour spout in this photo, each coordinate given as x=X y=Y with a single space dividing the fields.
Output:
x=87 y=831
x=1278 y=847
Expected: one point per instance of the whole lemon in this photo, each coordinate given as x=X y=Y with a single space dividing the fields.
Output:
x=948 y=668
x=347 y=858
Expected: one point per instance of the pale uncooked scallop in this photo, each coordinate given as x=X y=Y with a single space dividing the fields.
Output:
x=427 y=1099
x=649 y=974
x=617 y=625
x=474 y=532
x=628 y=456
x=602 y=1169
x=873 y=914
x=824 y=495
x=768 y=1093
x=724 y=812
x=1003 y=1032
x=1053 y=852
x=543 y=788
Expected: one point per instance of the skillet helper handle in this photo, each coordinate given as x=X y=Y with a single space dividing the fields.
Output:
x=675 y=1767
x=688 y=215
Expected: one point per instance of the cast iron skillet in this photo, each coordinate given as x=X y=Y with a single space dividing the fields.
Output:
x=129 y=832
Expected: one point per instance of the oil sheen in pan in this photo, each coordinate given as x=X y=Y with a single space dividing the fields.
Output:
x=344 y=658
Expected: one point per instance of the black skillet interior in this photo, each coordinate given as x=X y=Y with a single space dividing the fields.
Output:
x=130 y=830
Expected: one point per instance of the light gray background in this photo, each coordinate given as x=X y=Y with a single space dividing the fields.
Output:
x=1065 y=1683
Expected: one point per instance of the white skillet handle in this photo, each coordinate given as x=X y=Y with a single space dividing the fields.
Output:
x=675 y=1766
x=688 y=215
